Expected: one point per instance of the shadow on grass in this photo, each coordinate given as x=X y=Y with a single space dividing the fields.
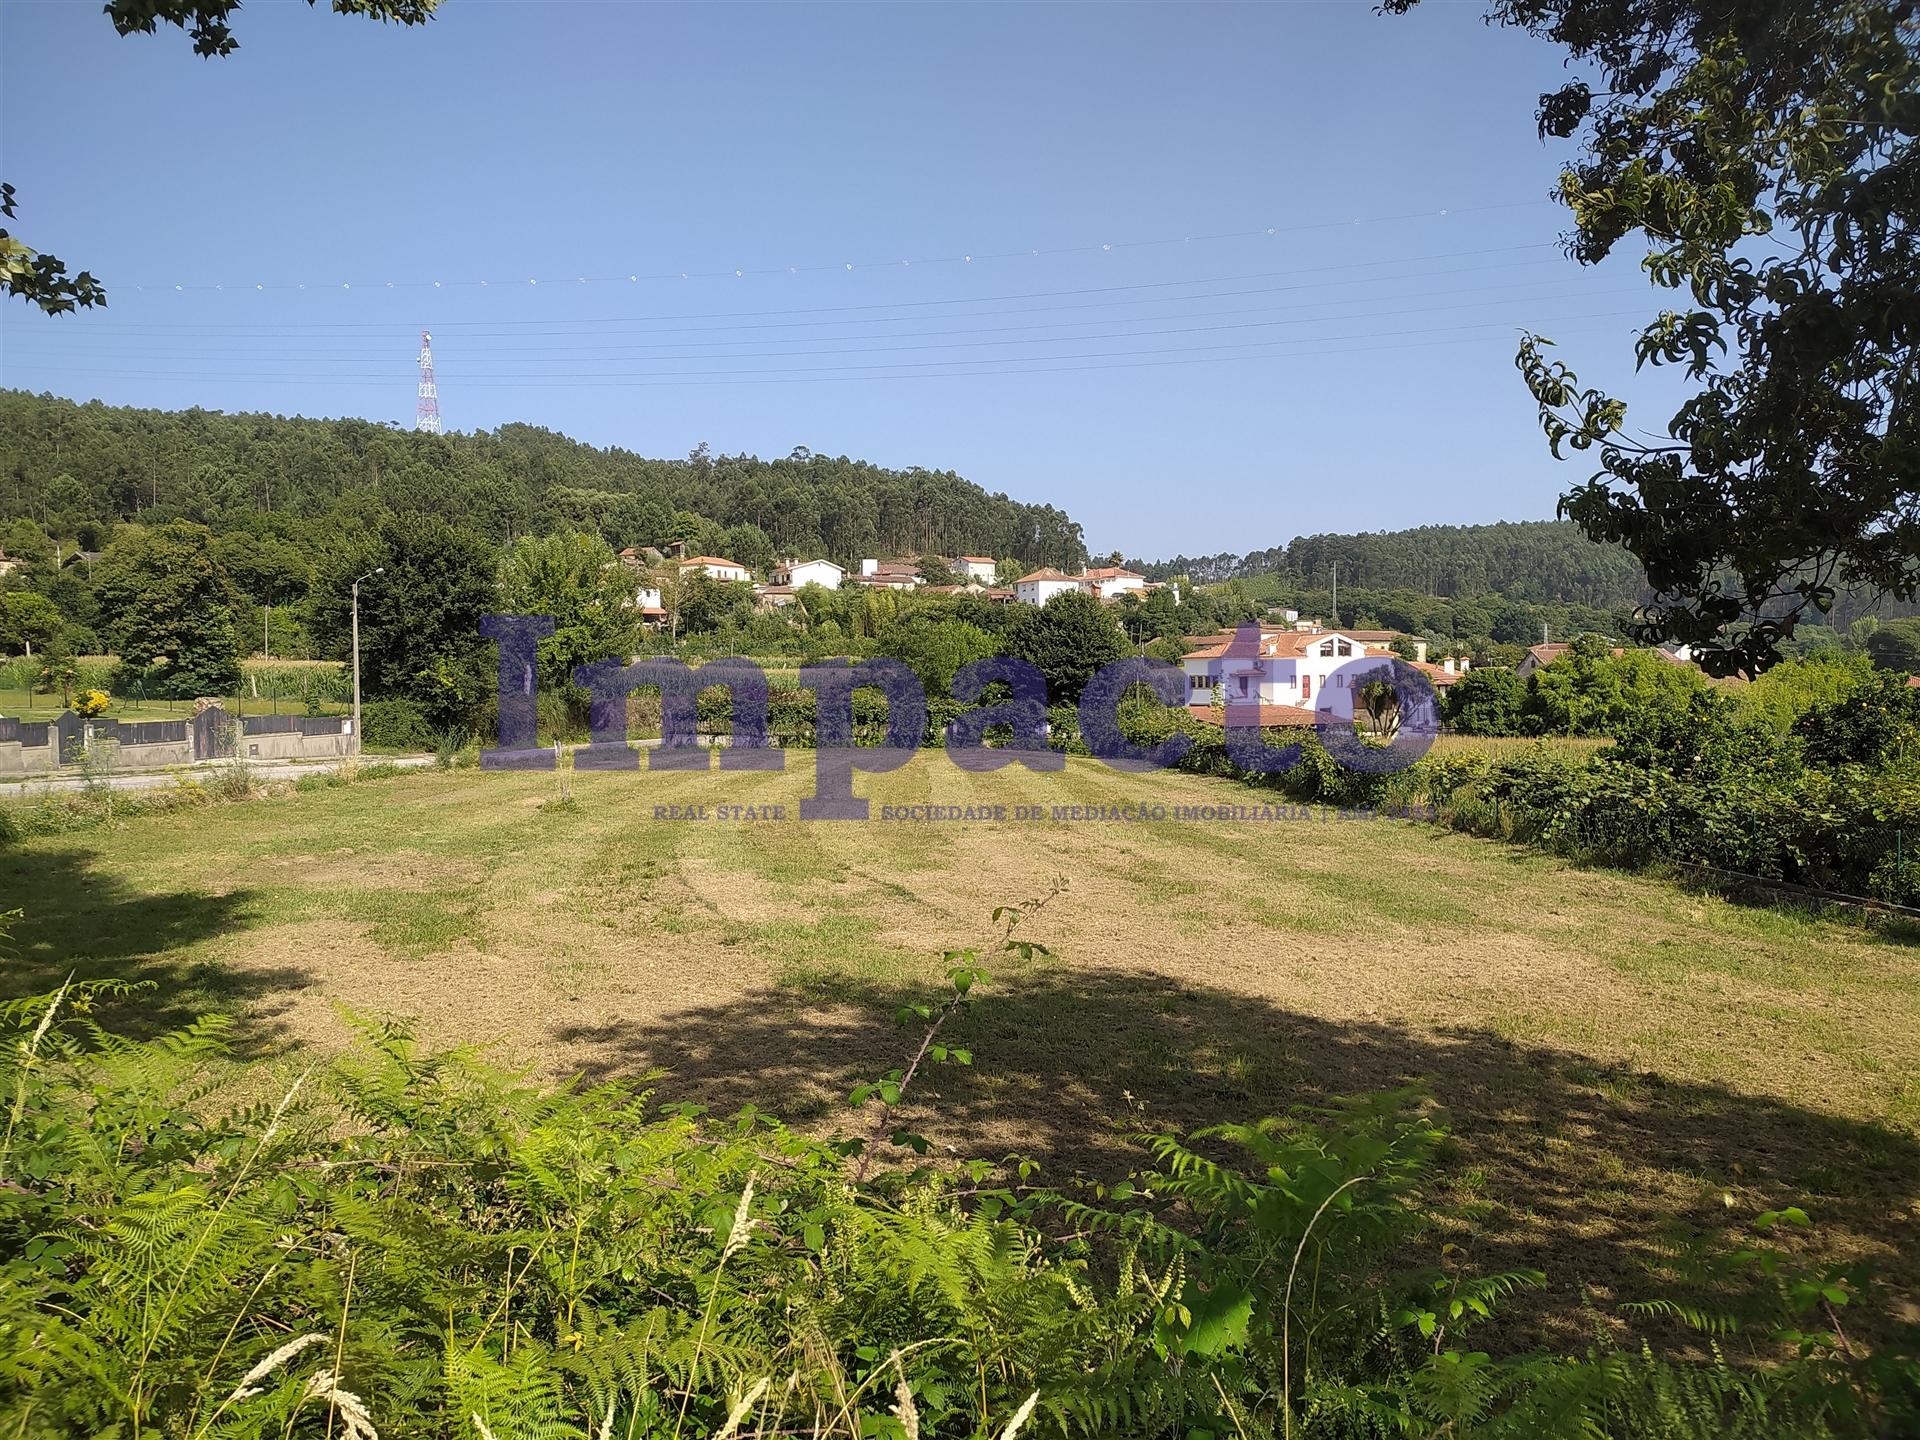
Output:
x=83 y=920
x=1558 y=1162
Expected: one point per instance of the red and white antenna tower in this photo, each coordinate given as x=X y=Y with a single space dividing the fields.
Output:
x=426 y=415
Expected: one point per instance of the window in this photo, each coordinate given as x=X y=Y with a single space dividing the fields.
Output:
x=1306 y=687
x=1345 y=648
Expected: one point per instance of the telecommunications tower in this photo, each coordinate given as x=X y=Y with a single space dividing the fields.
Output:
x=426 y=415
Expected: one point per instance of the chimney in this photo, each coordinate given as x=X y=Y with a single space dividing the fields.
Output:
x=1465 y=664
x=1419 y=652
x=1447 y=665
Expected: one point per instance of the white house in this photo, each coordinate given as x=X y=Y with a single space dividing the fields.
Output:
x=1110 y=582
x=1042 y=585
x=716 y=568
x=646 y=599
x=1292 y=674
x=1289 y=669
x=975 y=567
x=796 y=573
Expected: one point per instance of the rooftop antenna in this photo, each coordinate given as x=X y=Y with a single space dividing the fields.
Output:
x=426 y=414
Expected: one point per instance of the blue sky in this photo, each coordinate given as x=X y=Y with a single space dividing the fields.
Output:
x=1352 y=369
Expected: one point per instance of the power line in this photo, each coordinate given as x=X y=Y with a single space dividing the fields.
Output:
x=893 y=370
x=86 y=324
x=959 y=257
x=816 y=379
x=849 y=346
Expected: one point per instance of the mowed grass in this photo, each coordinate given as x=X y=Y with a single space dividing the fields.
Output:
x=1618 y=1056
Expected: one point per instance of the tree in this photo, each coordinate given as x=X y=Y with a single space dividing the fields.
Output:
x=42 y=279
x=707 y=603
x=935 y=570
x=1874 y=723
x=419 y=619
x=750 y=546
x=1486 y=702
x=935 y=648
x=27 y=622
x=27 y=543
x=577 y=580
x=1380 y=701
x=166 y=609
x=264 y=568
x=1069 y=638
x=1792 y=688
x=1591 y=691
x=1794 y=466
x=1896 y=646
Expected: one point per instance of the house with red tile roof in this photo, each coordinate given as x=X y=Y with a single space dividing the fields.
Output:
x=1043 y=584
x=1291 y=674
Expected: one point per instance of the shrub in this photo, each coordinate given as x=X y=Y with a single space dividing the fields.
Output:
x=395 y=725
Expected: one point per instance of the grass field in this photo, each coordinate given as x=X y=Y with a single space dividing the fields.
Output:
x=1617 y=1055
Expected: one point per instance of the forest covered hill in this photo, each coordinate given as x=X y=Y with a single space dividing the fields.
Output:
x=77 y=469
x=1528 y=560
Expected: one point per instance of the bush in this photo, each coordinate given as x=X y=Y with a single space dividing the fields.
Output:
x=395 y=725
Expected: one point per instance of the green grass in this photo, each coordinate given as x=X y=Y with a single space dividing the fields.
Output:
x=1617 y=1053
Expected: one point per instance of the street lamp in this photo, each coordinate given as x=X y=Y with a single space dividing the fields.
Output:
x=377 y=570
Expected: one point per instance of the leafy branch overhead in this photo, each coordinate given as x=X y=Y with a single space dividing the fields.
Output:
x=1765 y=152
x=42 y=279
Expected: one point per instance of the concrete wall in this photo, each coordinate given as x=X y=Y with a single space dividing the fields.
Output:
x=158 y=744
x=293 y=737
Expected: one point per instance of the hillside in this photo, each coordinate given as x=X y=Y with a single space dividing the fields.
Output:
x=77 y=468
x=1541 y=561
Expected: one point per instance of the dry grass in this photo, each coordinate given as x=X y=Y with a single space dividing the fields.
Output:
x=1617 y=1054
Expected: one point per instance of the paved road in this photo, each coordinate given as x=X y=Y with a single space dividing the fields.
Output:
x=163 y=779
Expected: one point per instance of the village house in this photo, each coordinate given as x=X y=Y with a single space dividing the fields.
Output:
x=975 y=567
x=1292 y=673
x=716 y=568
x=890 y=574
x=1110 y=582
x=646 y=599
x=795 y=573
x=1043 y=584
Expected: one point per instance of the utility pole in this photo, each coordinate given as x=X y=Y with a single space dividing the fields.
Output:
x=377 y=570
x=1336 y=594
